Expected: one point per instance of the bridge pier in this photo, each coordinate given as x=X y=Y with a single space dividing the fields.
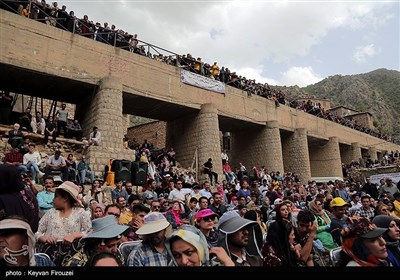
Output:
x=372 y=153
x=258 y=147
x=349 y=153
x=325 y=160
x=295 y=154
x=201 y=133
x=104 y=110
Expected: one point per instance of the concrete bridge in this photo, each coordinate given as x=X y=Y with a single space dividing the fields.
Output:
x=106 y=82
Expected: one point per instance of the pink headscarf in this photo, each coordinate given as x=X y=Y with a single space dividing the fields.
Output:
x=220 y=190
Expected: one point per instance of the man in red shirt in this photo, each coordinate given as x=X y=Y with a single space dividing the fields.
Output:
x=15 y=158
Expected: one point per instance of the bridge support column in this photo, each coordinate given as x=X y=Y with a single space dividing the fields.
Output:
x=258 y=147
x=349 y=153
x=325 y=160
x=201 y=133
x=104 y=110
x=295 y=154
x=372 y=153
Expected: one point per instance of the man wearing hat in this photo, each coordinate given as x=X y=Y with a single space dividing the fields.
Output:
x=152 y=251
x=147 y=199
x=105 y=237
x=339 y=219
x=236 y=236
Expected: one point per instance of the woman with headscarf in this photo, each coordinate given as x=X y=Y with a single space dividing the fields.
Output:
x=16 y=198
x=323 y=222
x=96 y=193
x=97 y=211
x=392 y=237
x=277 y=250
x=363 y=245
x=174 y=214
x=187 y=246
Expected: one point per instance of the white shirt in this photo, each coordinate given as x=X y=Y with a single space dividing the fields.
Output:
x=97 y=138
x=176 y=194
x=34 y=157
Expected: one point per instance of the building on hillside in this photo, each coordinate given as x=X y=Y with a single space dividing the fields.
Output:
x=325 y=103
x=343 y=111
x=363 y=119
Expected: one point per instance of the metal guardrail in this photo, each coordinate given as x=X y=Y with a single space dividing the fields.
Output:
x=116 y=39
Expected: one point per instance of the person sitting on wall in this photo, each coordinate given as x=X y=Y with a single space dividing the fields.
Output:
x=94 y=138
x=208 y=169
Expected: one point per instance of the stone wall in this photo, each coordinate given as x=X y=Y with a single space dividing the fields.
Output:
x=258 y=147
x=325 y=159
x=197 y=134
x=154 y=132
x=296 y=155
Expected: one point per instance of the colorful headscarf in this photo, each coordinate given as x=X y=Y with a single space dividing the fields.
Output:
x=193 y=236
x=353 y=244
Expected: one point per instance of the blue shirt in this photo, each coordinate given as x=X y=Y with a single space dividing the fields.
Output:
x=45 y=200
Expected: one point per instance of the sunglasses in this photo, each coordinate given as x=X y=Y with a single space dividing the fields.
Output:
x=207 y=219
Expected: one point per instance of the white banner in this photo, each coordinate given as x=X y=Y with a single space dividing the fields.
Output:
x=394 y=176
x=197 y=80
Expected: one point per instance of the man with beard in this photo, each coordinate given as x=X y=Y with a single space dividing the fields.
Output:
x=238 y=239
x=152 y=251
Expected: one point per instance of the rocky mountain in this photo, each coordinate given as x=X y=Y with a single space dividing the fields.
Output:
x=377 y=92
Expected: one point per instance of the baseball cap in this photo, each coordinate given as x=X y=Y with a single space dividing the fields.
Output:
x=204 y=213
x=337 y=202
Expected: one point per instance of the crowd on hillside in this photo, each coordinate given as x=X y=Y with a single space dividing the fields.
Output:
x=53 y=15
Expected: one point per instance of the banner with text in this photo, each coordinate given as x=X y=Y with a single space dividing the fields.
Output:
x=197 y=80
x=394 y=176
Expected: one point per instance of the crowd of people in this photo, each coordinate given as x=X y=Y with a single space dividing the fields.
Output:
x=254 y=219
x=53 y=15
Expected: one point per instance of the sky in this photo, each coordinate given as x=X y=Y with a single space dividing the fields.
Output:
x=282 y=43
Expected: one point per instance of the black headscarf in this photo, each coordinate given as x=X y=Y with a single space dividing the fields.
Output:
x=10 y=179
x=15 y=199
